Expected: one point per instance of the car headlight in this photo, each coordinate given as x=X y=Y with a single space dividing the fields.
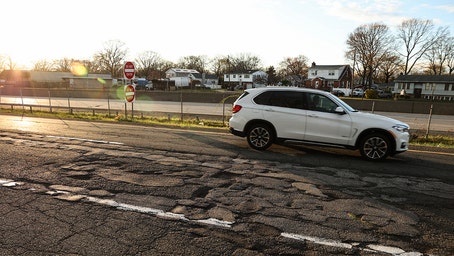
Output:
x=401 y=128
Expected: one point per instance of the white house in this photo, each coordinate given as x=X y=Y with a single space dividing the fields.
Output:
x=247 y=79
x=437 y=87
x=206 y=80
x=327 y=77
x=187 y=77
x=181 y=76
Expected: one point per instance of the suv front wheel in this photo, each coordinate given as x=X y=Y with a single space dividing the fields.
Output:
x=375 y=146
x=260 y=136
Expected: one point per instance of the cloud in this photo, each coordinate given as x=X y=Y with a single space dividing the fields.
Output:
x=364 y=11
x=448 y=8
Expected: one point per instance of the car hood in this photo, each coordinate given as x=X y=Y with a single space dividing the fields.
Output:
x=378 y=120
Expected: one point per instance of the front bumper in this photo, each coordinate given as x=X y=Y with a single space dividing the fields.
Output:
x=237 y=133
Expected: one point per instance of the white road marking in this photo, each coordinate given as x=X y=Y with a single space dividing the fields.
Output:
x=85 y=140
x=375 y=248
x=220 y=223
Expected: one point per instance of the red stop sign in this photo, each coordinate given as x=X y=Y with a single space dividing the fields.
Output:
x=130 y=93
x=129 y=70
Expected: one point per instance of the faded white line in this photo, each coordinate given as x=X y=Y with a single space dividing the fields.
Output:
x=374 y=248
x=85 y=140
x=128 y=207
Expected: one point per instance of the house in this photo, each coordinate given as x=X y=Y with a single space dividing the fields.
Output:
x=327 y=77
x=246 y=79
x=50 y=79
x=431 y=87
x=180 y=76
x=206 y=80
x=191 y=77
x=295 y=80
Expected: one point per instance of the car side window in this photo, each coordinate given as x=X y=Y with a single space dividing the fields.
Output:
x=318 y=102
x=286 y=99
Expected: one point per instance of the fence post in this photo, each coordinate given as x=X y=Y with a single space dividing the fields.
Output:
x=108 y=101
x=430 y=120
x=50 y=101
x=126 y=111
x=69 y=102
x=181 y=103
x=22 y=100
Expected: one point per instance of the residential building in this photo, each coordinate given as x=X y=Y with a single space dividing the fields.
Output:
x=295 y=80
x=205 y=80
x=246 y=79
x=180 y=76
x=191 y=77
x=431 y=87
x=327 y=77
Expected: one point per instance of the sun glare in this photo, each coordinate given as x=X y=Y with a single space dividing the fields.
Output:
x=78 y=69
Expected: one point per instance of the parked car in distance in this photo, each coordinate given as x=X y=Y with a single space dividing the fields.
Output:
x=338 y=93
x=270 y=114
x=149 y=86
x=358 y=92
x=384 y=94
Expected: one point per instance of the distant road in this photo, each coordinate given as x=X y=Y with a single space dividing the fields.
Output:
x=442 y=123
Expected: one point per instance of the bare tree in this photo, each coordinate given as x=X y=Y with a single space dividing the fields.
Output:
x=418 y=36
x=2 y=63
x=368 y=45
x=450 y=56
x=63 y=65
x=10 y=64
x=438 y=55
x=244 y=62
x=148 y=65
x=294 y=66
x=198 y=63
x=389 y=68
x=43 y=65
x=111 y=58
x=220 y=65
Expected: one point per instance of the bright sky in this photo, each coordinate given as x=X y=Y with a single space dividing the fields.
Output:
x=34 y=30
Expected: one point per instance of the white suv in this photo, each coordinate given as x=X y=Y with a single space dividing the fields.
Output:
x=270 y=114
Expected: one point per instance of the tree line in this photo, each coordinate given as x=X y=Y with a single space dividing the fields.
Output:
x=376 y=54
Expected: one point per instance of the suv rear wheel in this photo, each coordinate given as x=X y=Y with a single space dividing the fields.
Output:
x=260 y=136
x=375 y=146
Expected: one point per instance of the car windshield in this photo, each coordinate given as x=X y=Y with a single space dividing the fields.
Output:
x=345 y=105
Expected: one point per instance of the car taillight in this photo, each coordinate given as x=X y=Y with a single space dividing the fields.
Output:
x=236 y=108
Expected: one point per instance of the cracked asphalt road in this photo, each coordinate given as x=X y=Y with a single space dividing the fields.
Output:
x=77 y=196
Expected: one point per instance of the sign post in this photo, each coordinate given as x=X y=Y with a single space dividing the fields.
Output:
x=130 y=90
x=130 y=96
x=129 y=70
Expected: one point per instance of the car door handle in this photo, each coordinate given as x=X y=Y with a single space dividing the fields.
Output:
x=269 y=109
x=313 y=115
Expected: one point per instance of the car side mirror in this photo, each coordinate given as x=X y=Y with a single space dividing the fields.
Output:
x=339 y=111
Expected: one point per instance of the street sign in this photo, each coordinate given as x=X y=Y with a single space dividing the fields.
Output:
x=129 y=70
x=130 y=93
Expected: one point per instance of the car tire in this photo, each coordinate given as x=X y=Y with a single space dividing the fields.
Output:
x=260 y=136
x=375 y=147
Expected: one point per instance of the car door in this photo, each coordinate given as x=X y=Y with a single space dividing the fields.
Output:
x=286 y=111
x=324 y=124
